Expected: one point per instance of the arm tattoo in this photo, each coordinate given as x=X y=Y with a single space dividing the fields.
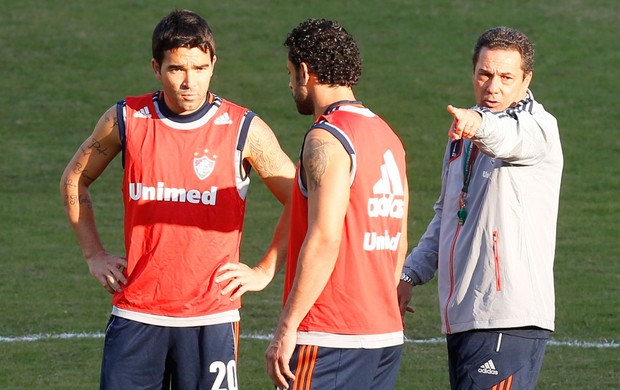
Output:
x=93 y=144
x=68 y=183
x=96 y=144
x=71 y=200
x=115 y=124
x=78 y=169
x=85 y=175
x=267 y=159
x=316 y=158
x=114 y=120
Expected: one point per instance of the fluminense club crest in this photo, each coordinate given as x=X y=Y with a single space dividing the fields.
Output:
x=203 y=166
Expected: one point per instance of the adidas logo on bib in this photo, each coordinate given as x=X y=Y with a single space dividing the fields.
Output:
x=223 y=119
x=388 y=191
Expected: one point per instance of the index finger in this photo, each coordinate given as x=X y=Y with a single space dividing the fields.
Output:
x=451 y=109
x=456 y=112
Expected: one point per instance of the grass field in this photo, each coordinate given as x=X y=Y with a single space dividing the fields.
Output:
x=64 y=63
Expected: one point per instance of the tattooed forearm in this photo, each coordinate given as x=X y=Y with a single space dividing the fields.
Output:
x=86 y=176
x=71 y=200
x=69 y=183
x=315 y=159
x=78 y=169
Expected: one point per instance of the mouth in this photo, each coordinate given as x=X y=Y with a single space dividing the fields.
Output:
x=491 y=103
x=188 y=96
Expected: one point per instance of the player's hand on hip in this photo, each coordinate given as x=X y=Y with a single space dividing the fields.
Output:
x=237 y=278
x=108 y=270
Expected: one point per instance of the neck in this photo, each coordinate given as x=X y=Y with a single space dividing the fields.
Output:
x=325 y=95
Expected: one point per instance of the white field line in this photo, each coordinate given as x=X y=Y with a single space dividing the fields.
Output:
x=257 y=336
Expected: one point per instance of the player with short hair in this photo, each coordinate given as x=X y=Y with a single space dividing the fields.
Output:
x=187 y=156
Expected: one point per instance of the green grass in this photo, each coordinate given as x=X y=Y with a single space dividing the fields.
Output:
x=64 y=64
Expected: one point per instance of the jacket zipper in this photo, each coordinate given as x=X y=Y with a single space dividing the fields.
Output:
x=456 y=235
x=498 y=279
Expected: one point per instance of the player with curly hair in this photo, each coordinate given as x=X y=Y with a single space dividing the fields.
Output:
x=340 y=327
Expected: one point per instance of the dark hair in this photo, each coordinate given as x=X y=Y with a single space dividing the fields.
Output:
x=182 y=28
x=507 y=38
x=328 y=49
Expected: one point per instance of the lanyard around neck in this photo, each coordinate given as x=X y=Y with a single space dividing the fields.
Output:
x=468 y=164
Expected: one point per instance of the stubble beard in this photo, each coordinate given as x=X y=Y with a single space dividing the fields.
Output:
x=304 y=104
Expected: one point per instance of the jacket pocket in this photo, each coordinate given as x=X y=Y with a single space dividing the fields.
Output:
x=498 y=278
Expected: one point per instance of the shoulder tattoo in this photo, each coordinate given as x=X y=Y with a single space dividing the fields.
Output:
x=316 y=158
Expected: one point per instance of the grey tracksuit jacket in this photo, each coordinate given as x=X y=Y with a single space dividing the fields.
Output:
x=495 y=270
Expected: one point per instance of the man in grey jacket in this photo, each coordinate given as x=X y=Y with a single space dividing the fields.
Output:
x=492 y=239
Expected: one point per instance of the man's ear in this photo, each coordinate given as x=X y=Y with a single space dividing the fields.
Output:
x=304 y=74
x=527 y=79
x=156 y=69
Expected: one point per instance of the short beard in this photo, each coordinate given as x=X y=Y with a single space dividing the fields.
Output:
x=304 y=106
x=303 y=102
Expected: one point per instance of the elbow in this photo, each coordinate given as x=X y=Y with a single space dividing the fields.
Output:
x=325 y=244
x=330 y=243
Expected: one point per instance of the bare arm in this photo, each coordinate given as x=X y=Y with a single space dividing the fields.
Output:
x=327 y=168
x=90 y=160
x=277 y=171
x=326 y=173
x=403 y=245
